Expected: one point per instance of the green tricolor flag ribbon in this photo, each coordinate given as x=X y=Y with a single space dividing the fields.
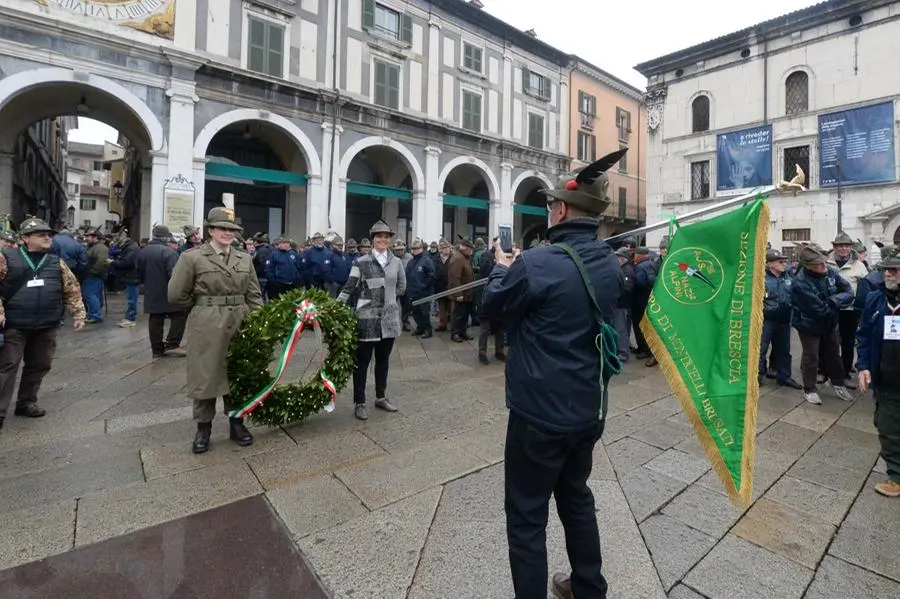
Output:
x=703 y=323
x=307 y=315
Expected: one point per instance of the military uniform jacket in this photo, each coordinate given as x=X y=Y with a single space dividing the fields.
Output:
x=201 y=273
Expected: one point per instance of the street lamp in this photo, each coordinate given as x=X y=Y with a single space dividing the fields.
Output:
x=840 y=219
x=117 y=189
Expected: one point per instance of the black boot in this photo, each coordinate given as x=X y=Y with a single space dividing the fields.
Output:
x=239 y=432
x=1 y=422
x=201 y=439
x=30 y=410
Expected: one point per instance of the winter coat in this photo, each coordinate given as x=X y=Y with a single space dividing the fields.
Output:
x=378 y=291
x=777 y=302
x=816 y=300
x=283 y=267
x=870 y=335
x=627 y=296
x=440 y=272
x=553 y=368
x=865 y=286
x=460 y=272
x=97 y=255
x=420 y=277
x=126 y=263
x=154 y=266
x=852 y=271
x=340 y=271
x=203 y=273
x=71 y=252
x=316 y=265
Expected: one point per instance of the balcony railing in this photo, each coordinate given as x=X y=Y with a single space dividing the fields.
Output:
x=587 y=121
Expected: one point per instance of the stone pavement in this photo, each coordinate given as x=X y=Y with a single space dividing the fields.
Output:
x=411 y=504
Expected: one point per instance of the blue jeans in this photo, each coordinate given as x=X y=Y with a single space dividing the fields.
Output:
x=778 y=334
x=132 y=293
x=92 y=290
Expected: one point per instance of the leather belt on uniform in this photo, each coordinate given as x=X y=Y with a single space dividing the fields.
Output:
x=219 y=300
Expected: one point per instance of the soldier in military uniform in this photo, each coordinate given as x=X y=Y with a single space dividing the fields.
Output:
x=35 y=287
x=219 y=286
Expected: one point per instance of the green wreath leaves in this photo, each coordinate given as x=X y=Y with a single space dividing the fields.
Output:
x=250 y=354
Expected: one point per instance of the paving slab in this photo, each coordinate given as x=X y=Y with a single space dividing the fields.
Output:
x=647 y=491
x=315 y=504
x=52 y=486
x=627 y=454
x=807 y=416
x=681 y=591
x=36 y=532
x=836 y=579
x=785 y=531
x=376 y=555
x=813 y=469
x=785 y=438
x=181 y=559
x=126 y=423
x=663 y=434
x=674 y=546
x=679 y=465
x=815 y=500
x=739 y=569
x=126 y=509
x=869 y=548
x=311 y=457
x=704 y=510
x=173 y=458
x=845 y=455
x=386 y=479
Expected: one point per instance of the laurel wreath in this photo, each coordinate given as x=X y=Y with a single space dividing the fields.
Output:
x=250 y=354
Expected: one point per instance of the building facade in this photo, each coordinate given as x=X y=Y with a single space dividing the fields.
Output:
x=91 y=185
x=816 y=88
x=316 y=114
x=609 y=114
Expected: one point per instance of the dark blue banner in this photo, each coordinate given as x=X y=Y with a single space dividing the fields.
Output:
x=857 y=146
x=743 y=160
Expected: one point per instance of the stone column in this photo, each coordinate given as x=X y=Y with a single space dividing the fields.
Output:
x=7 y=171
x=507 y=96
x=155 y=211
x=428 y=211
x=502 y=210
x=144 y=216
x=563 y=133
x=181 y=159
x=199 y=180
x=319 y=216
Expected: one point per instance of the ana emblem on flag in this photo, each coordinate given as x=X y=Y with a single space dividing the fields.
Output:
x=692 y=275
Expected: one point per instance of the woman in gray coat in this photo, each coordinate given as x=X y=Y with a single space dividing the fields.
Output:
x=377 y=280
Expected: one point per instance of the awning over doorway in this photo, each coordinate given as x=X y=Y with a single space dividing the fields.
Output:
x=379 y=191
x=528 y=209
x=255 y=175
x=465 y=202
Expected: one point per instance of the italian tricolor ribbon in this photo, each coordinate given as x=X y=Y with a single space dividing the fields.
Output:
x=307 y=316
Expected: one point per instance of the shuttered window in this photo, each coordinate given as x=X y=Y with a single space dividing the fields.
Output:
x=387 y=85
x=265 y=48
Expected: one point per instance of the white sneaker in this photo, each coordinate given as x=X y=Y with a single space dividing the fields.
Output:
x=813 y=398
x=843 y=392
x=127 y=323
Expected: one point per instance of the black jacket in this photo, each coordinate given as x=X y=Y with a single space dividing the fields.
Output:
x=553 y=370
x=817 y=299
x=126 y=263
x=628 y=289
x=154 y=268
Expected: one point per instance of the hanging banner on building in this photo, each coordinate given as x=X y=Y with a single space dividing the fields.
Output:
x=151 y=16
x=857 y=146
x=178 y=211
x=743 y=160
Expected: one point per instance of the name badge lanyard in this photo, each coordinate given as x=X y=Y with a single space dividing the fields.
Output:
x=892 y=323
x=30 y=262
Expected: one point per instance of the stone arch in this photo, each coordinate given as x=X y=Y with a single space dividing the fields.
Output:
x=529 y=175
x=492 y=184
x=415 y=169
x=16 y=84
x=892 y=230
x=313 y=164
x=810 y=88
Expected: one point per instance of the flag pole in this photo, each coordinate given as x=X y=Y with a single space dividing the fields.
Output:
x=784 y=186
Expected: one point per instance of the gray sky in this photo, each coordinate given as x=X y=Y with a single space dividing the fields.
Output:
x=614 y=38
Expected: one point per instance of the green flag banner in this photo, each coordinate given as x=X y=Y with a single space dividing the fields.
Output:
x=704 y=322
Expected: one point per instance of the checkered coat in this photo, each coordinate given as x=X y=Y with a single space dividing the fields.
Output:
x=377 y=290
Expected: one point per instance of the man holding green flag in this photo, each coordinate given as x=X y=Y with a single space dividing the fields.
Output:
x=703 y=323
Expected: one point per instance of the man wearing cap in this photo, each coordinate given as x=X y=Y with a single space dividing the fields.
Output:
x=365 y=246
x=155 y=265
x=126 y=273
x=777 y=321
x=441 y=265
x=556 y=382
x=878 y=365
x=95 y=276
x=851 y=269
x=351 y=250
x=8 y=239
x=218 y=286
x=35 y=288
x=316 y=264
x=818 y=293
x=644 y=278
x=420 y=283
x=340 y=270
x=459 y=272
x=282 y=269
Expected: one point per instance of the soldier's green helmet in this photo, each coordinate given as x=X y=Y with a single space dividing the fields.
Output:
x=222 y=218
x=380 y=227
x=34 y=225
x=586 y=188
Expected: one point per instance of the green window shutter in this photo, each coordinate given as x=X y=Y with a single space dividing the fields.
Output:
x=393 y=87
x=380 y=83
x=256 y=46
x=406 y=28
x=526 y=76
x=581 y=96
x=593 y=148
x=368 y=16
x=276 y=51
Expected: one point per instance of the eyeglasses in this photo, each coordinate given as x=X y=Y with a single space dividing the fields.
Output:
x=47 y=235
x=894 y=270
